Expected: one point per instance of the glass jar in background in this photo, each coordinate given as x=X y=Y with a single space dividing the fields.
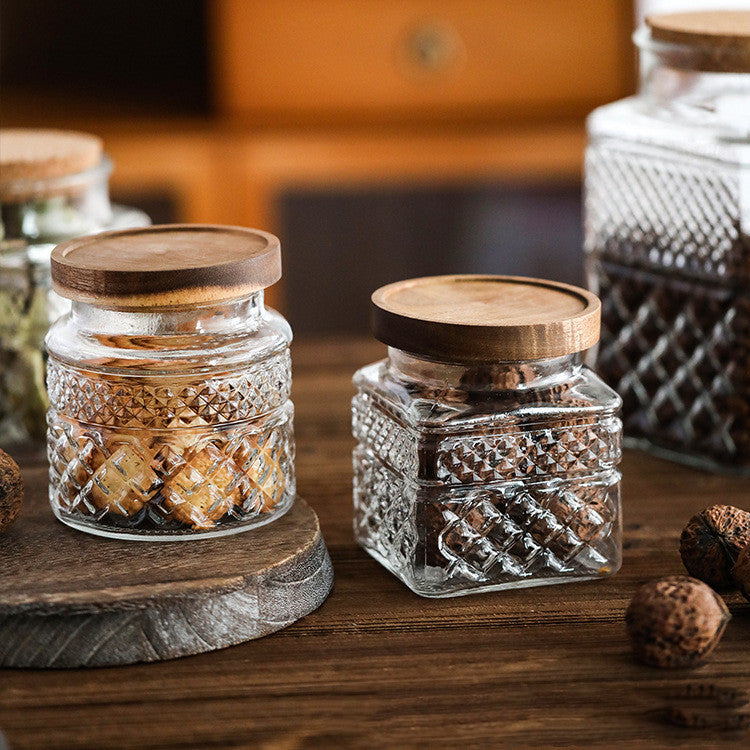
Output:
x=486 y=453
x=667 y=197
x=169 y=384
x=53 y=186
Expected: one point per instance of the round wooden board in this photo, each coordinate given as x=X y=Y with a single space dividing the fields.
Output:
x=69 y=599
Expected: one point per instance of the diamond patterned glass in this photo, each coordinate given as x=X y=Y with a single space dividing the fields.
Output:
x=171 y=436
x=169 y=481
x=458 y=491
x=667 y=214
x=29 y=230
x=172 y=402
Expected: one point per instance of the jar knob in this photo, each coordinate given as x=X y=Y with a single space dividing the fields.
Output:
x=432 y=47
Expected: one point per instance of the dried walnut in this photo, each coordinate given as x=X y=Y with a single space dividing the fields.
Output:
x=11 y=490
x=675 y=621
x=712 y=541
x=741 y=572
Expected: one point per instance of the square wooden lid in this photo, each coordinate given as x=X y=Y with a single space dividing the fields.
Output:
x=485 y=318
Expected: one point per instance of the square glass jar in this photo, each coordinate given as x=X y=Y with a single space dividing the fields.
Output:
x=486 y=453
x=169 y=384
x=667 y=236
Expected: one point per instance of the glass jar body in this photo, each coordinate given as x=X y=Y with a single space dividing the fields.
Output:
x=480 y=478
x=667 y=203
x=36 y=217
x=169 y=424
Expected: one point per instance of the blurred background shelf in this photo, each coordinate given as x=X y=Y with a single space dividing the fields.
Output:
x=379 y=138
x=417 y=60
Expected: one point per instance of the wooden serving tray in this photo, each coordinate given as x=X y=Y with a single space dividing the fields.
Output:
x=69 y=599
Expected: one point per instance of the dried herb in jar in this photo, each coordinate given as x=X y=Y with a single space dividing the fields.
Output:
x=53 y=186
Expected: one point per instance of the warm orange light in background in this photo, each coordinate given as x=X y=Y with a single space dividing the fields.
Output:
x=244 y=103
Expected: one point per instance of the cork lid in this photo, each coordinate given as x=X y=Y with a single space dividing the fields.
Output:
x=719 y=40
x=165 y=266
x=29 y=155
x=485 y=318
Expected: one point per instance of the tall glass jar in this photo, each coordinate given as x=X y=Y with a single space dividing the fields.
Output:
x=486 y=453
x=668 y=240
x=53 y=186
x=169 y=384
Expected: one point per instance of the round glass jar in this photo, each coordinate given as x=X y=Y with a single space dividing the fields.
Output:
x=53 y=186
x=169 y=384
x=486 y=451
x=667 y=226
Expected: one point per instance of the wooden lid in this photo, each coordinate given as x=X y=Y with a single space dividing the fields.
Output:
x=721 y=39
x=485 y=318
x=167 y=265
x=28 y=154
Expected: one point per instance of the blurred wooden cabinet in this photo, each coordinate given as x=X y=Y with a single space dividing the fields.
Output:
x=325 y=93
x=384 y=61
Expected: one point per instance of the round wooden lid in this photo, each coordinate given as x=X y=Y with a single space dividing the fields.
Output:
x=28 y=154
x=720 y=39
x=485 y=318
x=167 y=265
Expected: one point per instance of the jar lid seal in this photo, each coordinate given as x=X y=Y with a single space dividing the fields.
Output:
x=166 y=265
x=714 y=41
x=467 y=318
x=32 y=155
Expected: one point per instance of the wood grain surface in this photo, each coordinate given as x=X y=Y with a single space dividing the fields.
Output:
x=428 y=60
x=466 y=318
x=69 y=599
x=377 y=666
x=720 y=38
x=168 y=264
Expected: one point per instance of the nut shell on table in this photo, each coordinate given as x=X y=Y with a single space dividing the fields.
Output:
x=675 y=621
x=11 y=490
x=711 y=542
x=741 y=572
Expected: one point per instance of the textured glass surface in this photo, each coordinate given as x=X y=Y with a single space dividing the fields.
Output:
x=667 y=215
x=168 y=402
x=459 y=490
x=174 y=429
x=678 y=352
x=27 y=308
x=29 y=230
x=167 y=481
x=665 y=211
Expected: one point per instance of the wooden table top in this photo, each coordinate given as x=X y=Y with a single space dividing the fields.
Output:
x=378 y=666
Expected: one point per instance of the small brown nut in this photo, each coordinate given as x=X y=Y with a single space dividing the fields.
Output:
x=741 y=572
x=11 y=490
x=675 y=621
x=711 y=542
